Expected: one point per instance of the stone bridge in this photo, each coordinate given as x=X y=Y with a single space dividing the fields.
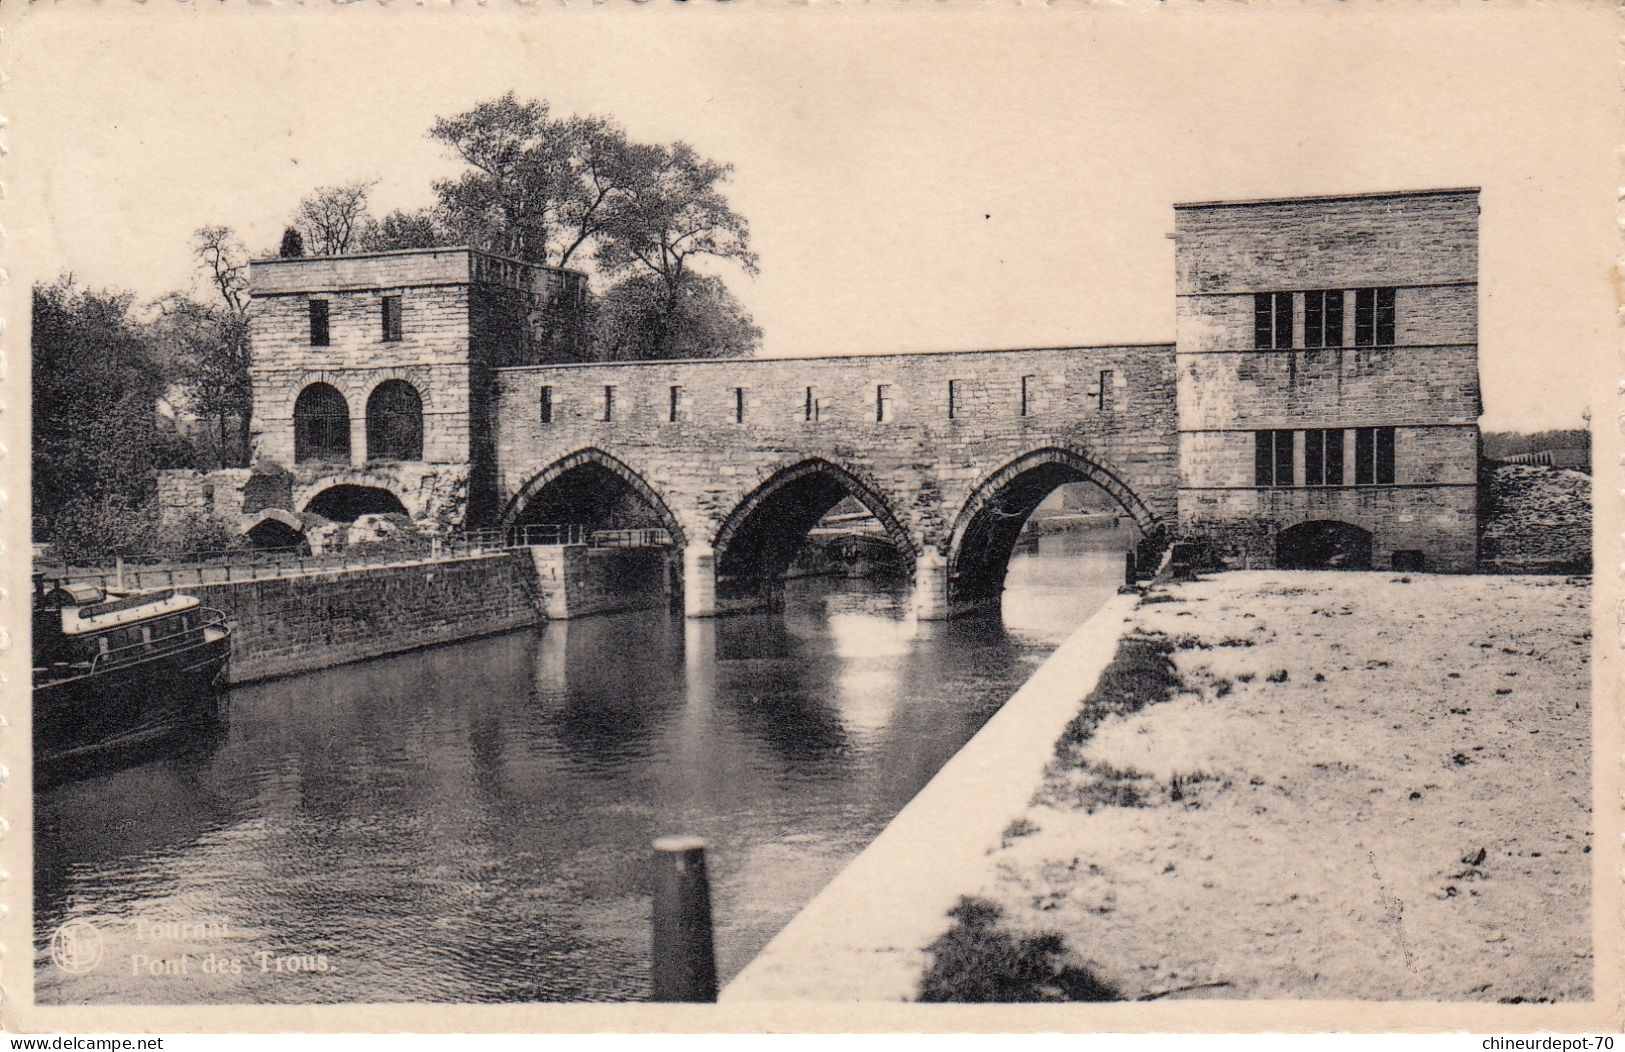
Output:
x=739 y=459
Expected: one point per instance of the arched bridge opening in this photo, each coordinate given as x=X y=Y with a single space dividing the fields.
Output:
x=760 y=540
x=988 y=529
x=589 y=492
x=347 y=502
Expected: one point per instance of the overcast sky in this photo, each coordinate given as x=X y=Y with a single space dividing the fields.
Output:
x=915 y=180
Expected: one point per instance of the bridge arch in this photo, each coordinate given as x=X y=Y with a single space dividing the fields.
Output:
x=758 y=540
x=274 y=528
x=349 y=494
x=593 y=488
x=988 y=525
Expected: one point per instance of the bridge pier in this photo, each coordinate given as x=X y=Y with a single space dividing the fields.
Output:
x=931 y=587
x=699 y=582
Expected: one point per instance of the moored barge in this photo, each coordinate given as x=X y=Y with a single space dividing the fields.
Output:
x=114 y=672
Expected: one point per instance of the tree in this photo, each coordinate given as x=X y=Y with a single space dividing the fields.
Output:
x=96 y=382
x=519 y=161
x=707 y=321
x=398 y=229
x=672 y=212
x=225 y=265
x=209 y=348
x=293 y=244
x=210 y=344
x=334 y=219
x=540 y=188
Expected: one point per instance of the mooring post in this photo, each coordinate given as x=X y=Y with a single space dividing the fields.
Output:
x=1128 y=567
x=685 y=965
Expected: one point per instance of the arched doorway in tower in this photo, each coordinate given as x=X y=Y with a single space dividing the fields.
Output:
x=321 y=426
x=1323 y=544
x=813 y=519
x=1053 y=526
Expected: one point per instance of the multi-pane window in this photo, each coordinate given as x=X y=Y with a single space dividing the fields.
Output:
x=883 y=405
x=1104 y=397
x=318 y=323
x=1373 y=456
x=954 y=394
x=546 y=403
x=392 y=318
x=1373 y=317
x=812 y=410
x=739 y=405
x=1028 y=389
x=1272 y=458
x=609 y=402
x=1323 y=318
x=1272 y=319
x=674 y=411
x=1323 y=457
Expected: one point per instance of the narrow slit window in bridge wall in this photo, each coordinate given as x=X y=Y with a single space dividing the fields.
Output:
x=609 y=402
x=545 y=402
x=675 y=410
x=1027 y=392
x=883 y=406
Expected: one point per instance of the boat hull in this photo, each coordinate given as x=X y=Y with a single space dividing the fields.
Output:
x=83 y=719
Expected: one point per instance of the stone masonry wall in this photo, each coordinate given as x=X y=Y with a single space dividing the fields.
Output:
x=577 y=581
x=1538 y=520
x=922 y=463
x=297 y=624
x=432 y=356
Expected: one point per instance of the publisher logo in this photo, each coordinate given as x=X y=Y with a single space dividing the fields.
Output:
x=76 y=947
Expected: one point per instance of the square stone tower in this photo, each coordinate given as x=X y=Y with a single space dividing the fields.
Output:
x=375 y=369
x=1328 y=379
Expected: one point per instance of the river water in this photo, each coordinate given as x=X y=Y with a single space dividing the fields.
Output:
x=472 y=822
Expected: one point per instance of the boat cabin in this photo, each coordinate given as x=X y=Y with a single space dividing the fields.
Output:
x=80 y=626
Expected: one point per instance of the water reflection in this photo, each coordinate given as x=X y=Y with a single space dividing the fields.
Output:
x=470 y=823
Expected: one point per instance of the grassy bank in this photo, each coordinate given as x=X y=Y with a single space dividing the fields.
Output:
x=1325 y=786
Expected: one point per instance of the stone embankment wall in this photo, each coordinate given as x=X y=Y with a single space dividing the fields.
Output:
x=305 y=622
x=1538 y=520
x=576 y=581
x=301 y=623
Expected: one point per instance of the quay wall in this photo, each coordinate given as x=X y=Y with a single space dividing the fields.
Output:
x=863 y=937
x=577 y=581
x=300 y=623
x=303 y=623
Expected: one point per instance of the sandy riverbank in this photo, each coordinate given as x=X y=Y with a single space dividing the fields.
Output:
x=1359 y=786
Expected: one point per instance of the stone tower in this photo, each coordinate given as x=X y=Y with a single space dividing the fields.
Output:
x=372 y=373
x=1327 y=353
